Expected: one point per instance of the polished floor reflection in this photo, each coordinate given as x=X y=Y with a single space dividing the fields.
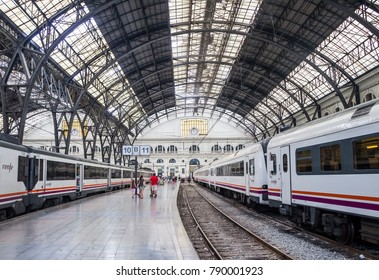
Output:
x=113 y=226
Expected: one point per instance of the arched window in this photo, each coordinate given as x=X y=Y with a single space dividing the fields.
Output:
x=326 y=113
x=160 y=160
x=97 y=149
x=194 y=149
x=216 y=149
x=228 y=148
x=159 y=149
x=194 y=161
x=74 y=149
x=337 y=109
x=369 y=96
x=172 y=160
x=172 y=149
x=147 y=160
x=239 y=147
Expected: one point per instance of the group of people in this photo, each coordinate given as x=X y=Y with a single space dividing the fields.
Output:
x=138 y=189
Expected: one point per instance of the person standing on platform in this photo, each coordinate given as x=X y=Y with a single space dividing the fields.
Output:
x=154 y=185
x=141 y=186
x=135 y=190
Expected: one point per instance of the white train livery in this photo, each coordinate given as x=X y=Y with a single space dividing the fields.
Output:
x=323 y=174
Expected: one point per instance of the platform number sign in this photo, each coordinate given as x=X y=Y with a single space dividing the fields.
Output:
x=136 y=150
x=145 y=150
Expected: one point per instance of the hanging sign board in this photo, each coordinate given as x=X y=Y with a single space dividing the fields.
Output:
x=142 y=150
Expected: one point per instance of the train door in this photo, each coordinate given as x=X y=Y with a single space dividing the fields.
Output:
x=249 y=177
x=42 y=174
x=79 y=178
x=285 y=174
x=109 y=179
x=212 y=177
x=34 y=173
x=274 y=178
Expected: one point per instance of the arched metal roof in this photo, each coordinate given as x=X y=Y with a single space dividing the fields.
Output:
x=121 y=66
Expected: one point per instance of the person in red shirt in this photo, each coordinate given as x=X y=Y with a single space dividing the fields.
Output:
x=154 y=185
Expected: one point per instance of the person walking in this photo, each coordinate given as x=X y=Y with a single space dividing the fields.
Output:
x=154 y=185
x=141 y=186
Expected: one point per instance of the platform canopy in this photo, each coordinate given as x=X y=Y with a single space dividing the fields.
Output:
x=121 y=67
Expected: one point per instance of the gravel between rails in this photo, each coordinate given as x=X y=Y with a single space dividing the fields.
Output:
x=299 y=245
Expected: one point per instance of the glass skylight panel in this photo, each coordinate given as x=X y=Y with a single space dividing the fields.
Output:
x=353 y=37
x=214 y=47
x=80 y=46
x=28 y=14
x=371 y=15
x=350 y=46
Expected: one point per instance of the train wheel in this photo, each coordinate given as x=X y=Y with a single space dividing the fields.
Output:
x=345 y=233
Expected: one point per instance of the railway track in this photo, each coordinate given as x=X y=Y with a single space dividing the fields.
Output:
x=303 y=238
x=226 y=239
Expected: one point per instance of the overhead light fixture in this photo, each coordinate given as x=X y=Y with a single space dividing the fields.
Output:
x=372 y=147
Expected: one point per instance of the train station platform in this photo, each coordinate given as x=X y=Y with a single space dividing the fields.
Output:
x=111 y=226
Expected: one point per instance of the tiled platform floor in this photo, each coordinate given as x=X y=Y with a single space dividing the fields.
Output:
x=113 y=226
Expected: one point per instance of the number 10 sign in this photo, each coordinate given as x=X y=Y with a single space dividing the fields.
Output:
x=136 y=150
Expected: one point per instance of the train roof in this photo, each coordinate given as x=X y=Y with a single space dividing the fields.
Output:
x=255 y=147
x=350 y=118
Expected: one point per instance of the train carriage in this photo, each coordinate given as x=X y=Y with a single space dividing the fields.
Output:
x=242 y=174
x=31 y=179
x=13 y=191
x=325 y=173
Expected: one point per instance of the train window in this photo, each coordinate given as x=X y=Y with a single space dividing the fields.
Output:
x=236 y=169
x=41 y=169
x=366 y=153
x=116 y=173
x=252 y=167
x=22 y=169
x=285 y=163
x=92 y=172
x=126 y=174
x=303 y=161
x=241 y=169
x=273 y=159
x=330 y=158
x=60 y=170
x=362 y=111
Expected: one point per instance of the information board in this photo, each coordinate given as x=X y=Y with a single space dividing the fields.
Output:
x=138 y=150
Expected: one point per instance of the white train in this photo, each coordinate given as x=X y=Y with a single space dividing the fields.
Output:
x=323 y=174
x=31 y=179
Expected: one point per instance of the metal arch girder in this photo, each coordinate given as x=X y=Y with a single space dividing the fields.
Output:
x=247 y=34
x=215 y=83
x=102 y=8
x=234 y=32
x=47 y=53
x=259 y=38
x=162 y=38
x=105 y=109
x=355 y=16
x=233 y=65
x=133 y=56
x=230 y=64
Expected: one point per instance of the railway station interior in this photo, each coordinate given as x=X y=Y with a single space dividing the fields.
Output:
x=193 y=80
